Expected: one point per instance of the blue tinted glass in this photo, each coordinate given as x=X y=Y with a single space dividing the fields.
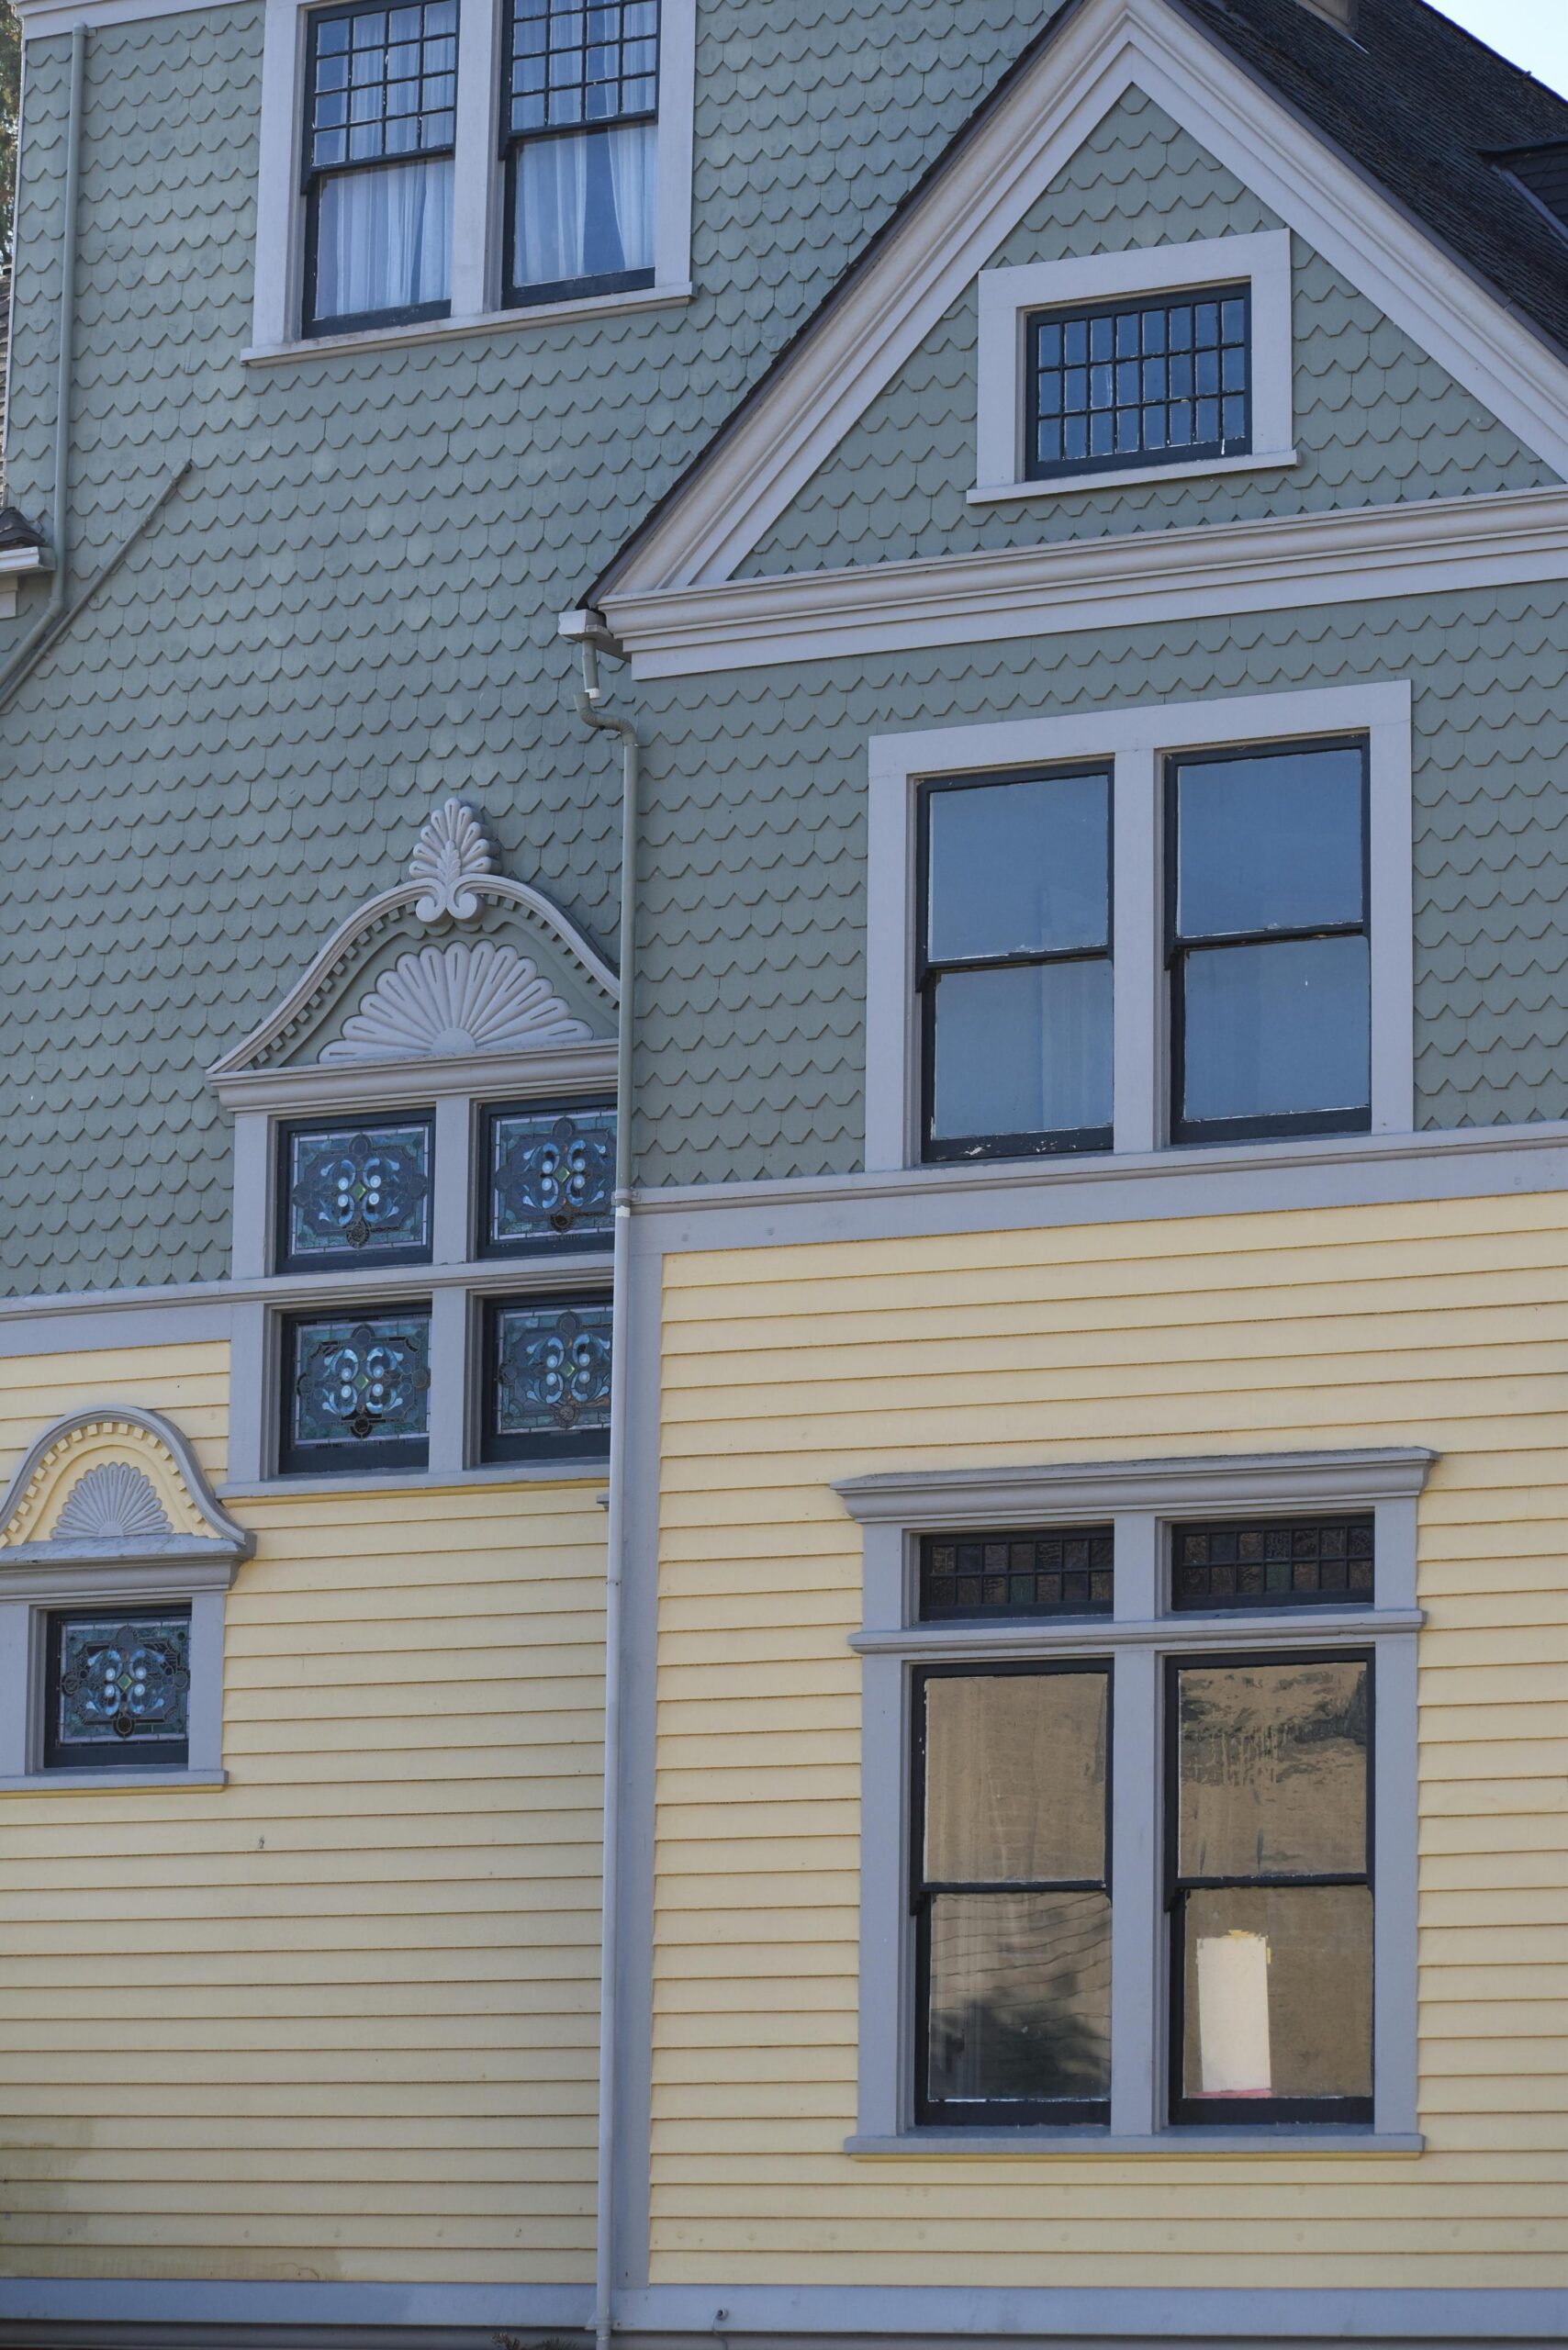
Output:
x=1269 y=843
x=1276 y=1029
x=353 y=1189
x=552 y=1176
x=550 y=1370
x=360 y=1381
x=121 y=1680
x=1022 y=1051
x=1019 y=868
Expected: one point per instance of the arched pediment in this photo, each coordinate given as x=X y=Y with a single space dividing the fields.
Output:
x=115 y=1484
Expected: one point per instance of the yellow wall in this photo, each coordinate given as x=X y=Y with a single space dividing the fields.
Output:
x=337 y=2020
x=1440 y=1326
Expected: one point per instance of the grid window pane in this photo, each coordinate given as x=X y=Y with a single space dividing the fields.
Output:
x=1273 y=842
x=551 y=1176
x=1276 y=1031
x=1061 y=1573
x=1272 y=1769
x=1277 y=1993
x=1273 y=1563
x=400 y=66
x=119 y=1688
x=1022 y=1050
x=573 y=64
x=1020 y=1999
x=357 y=1390
x=354 y=1194
x=1019 y=868
x=1140 y=383
x=1015 y=1777
x=549 y=1377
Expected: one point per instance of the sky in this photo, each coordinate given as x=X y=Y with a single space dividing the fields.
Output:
x=1534 y=33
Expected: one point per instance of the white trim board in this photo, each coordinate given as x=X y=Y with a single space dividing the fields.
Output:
x=1110 y=47
x=1420 y=548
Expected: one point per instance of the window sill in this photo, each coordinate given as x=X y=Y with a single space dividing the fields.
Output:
x=1130 y=478
x=111 y=1783
x=543 y=314
x=1286 y=2140
x=426 y=1480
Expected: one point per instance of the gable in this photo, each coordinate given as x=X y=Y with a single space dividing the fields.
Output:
x=1376 y=419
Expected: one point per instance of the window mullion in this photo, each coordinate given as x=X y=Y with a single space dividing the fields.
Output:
x=1139 y=984
x=1138 y=1925
x=474 y=280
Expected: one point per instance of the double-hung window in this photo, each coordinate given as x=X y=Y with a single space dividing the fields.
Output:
x=580 y=139
x=380 y=132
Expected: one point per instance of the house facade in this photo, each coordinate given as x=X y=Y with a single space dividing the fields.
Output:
x=783 y=1348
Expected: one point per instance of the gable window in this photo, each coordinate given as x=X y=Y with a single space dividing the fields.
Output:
x=1267 y=944
x=1132 y=383
x=379 y=140
x=580 y=128
x=354 y=1194
x=1014 y=970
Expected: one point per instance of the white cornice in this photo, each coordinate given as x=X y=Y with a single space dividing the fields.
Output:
x=412 y=1084
x=1178 y=1487
x=1427 y=548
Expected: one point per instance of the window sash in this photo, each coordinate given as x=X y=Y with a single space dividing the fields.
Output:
x=566 y=1440
x=326 y=1259
x=1142 y=401
x=520 y=292
x=347 y=1455
x=131 y=1753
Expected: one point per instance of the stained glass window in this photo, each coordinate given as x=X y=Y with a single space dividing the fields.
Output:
x=355 y=1195
x=1273 y=1563
x=580 y=138
x=356 y=1389
x=550 y=1170
x=547 y=1378
x=1060 y=1571
x=1131 y=383
x=118 y=1689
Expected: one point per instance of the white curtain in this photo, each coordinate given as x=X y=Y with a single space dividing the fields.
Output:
x=585 y=206
x=383 y=239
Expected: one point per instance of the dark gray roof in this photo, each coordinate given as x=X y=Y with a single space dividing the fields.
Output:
x=1419 y=107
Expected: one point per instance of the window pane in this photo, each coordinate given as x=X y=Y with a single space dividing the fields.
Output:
x=602 y=60
x=1019 y=868
x=121 y=1682
x=1276 y=1562
x=550 y=1375
x=1271 y=843
x=1277 y=1030
x=1015 y=1769
x=383 y=239
x=1132 y=349
x=584 y=207
x=360 y=1382
x=1278 y=1993
x=353 y=1188
x=1020 y=1999
x=1068 y=1572
x=1273 y=1769
x=552 y=1175
x=1025 y=1051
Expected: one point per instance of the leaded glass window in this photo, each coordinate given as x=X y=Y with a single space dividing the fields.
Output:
x=1060 y=1571
x=579 y=134
x=1273 y=1563
x=547 y=1378
x=118 y=1689
x=1010 y=1879
x=356 y=1389
x=354 y=1194
x=550 y=1175
x=1130 y=382
x=1270 y=1892
x=380 y=125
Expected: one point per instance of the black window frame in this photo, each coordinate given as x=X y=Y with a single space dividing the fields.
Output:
x=286 y=1261
x=1009 y=2112
x=927 y=971
x=119 y=1754
x=570 y=289
x=494 y=1448
x=1279 y=1125
x=1225 y=1606
x=543 y=1243
x=1218 y=2113
x=1190 y=452
x=311 y=177
x=347 y=1456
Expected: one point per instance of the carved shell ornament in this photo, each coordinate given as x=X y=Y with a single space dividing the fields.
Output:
x=447 y=1001
x=453 y=852
x=113 y=1503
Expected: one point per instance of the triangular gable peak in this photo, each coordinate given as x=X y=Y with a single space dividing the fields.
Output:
x=456 y=964
x=1086 y=65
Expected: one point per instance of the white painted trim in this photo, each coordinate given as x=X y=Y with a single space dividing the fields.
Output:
x=537 y=315
x=25 y=559
x=476 y=174
x=7 y=599
x=1007 y=296
x=1133 y=743
x=1125 y=579
x=111 y=1783
x=321 y=1088
x=1109 y=47
x=925 y=1500
x=1270 y=461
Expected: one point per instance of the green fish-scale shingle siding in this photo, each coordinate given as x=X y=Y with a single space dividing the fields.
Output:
x=751 y=1016
x=1376 y=419
x=348 y=610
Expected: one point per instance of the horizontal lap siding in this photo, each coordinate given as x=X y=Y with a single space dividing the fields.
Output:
x=337 y=2020
x=786 y=1369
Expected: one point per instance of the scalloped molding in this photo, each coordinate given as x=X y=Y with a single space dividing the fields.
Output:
x=115 y=1484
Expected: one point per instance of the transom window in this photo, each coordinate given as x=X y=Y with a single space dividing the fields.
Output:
x=1272 y=1562
x=1268 y=941
x=1015 y=964
x=1139 y=383
x=580 y=143
x=380 y=136
x=1059 y=1571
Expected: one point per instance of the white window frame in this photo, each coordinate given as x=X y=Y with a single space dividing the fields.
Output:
x=1008 y=295
x=1142 y=1499
x=276 y=326
x=1135 y=743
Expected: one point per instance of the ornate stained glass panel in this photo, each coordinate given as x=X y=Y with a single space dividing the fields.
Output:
x=1059 y=1571
x=1273 y=1563
x=548 y=1385
x=356 y=1194
x=550 y=1176
x=119 y=1689
x=357 y=1390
